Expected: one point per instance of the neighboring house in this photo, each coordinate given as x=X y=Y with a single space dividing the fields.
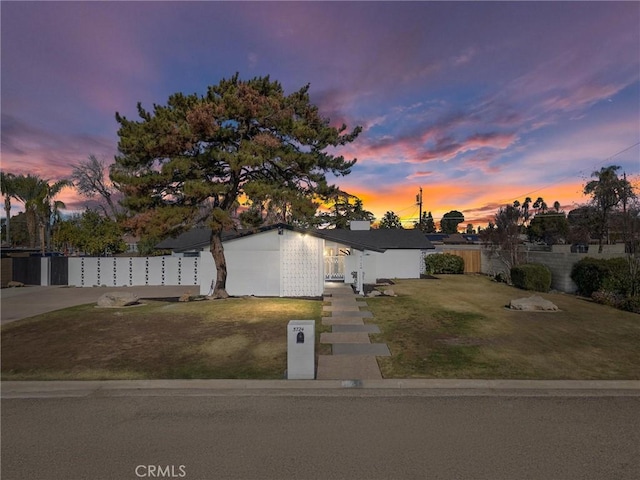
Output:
x=284 y=261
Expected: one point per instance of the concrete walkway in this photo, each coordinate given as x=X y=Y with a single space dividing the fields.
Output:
x=353 y=355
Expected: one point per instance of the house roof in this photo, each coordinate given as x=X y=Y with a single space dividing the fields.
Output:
x=193 y=239
x=376 y=240
x=200 y=237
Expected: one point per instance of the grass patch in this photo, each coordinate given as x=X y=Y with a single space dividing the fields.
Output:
x=458 y=327
x=233 y=338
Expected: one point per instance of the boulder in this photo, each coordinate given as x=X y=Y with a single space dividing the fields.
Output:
x=374 y=293
x=533 y=303
x=389 y=293
x=185 y=297
x=117 y=299
x=14 y=284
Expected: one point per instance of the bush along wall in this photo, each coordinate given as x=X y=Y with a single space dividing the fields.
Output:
x=531 y=276
x=444 y=263
x=611 y=281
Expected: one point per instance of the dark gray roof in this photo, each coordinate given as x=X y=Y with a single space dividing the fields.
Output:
x=377 y=239
x=193 y=239
x=198 y=238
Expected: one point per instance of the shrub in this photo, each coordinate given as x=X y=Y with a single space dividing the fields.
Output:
x=592 y=274
x=444 y=263
x=531 y=276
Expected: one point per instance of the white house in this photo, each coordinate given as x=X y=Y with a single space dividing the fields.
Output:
x=283 y=261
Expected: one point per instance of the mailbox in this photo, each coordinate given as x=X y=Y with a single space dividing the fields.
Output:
x=301 y=350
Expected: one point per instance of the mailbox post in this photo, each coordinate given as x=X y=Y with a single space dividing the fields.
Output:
x=301 y=339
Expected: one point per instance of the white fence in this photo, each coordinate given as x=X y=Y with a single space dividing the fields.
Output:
x=133 y=271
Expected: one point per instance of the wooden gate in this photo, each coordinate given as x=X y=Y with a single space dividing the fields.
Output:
x=59 y=271
x=27 y=270
x=472 y=259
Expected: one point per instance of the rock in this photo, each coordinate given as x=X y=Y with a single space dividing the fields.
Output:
x=389 y=293
x=533 y=303
x=185 y=297
x=374 y=293
x=117 y=299
x=14 y=284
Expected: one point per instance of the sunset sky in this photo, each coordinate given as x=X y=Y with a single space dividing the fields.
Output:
x=479 y=103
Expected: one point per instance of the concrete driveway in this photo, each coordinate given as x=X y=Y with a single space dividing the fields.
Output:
x=24 y=302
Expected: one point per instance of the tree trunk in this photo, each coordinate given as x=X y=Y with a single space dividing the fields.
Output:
x=7 y=209
x=219 y=285
x=32 y=227
x=42 y=229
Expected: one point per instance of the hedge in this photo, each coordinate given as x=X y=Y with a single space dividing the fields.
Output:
x=444 y=263
x=531 y=276
x=593 y=274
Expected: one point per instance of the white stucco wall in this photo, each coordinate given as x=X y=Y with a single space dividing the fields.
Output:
x=271 y=265
x=398 y=264
x=390 y=264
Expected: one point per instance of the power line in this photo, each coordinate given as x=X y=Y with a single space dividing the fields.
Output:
x=567 y=176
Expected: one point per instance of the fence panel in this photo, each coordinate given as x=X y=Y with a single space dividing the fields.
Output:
x=59 y=271
x=27 y=270
x=133 y=271
x=472 y=259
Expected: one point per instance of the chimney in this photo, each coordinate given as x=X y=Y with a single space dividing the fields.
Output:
x=360 y=225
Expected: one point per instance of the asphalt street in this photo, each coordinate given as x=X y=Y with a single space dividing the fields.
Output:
x=336 y=433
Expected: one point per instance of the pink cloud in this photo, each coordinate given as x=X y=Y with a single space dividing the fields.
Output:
x=419 y=175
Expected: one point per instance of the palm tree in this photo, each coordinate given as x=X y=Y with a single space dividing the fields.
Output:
x=38 y=198
x=7 y=187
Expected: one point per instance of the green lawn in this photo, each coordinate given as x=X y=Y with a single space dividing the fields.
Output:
x=457 y=326
x=233 y=338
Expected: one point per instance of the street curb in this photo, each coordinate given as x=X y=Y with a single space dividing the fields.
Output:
x=31 y=389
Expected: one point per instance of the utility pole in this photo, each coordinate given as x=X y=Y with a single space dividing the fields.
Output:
x=419 y=202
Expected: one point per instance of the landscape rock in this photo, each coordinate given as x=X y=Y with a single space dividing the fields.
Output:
x=374 y=293
x=117 y=299
x=185 y=297
x=14 y=284
x=389 y=293
x=533 y=303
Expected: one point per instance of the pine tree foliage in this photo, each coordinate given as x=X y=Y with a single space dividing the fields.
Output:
x=193 y=160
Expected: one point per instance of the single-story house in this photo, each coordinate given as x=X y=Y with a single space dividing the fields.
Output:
x=285 y=261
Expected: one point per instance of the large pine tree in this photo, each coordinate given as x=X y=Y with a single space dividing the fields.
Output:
x=192 y=160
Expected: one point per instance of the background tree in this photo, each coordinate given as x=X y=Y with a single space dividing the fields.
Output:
x=38 y=197
x=19 y=231
x=607 y=191
x=90 y=181
x=450 y=221
x=540 y=205
x=90 y=233
x=7 y=188
x=342 y=209
x=502 y=238
x=390 y=220
x=427 y=225
x=469 y=229
x=188 y=162
x=584 y=224
x=550 y=228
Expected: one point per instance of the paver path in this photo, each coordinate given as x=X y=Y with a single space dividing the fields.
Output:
x=353 y=355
